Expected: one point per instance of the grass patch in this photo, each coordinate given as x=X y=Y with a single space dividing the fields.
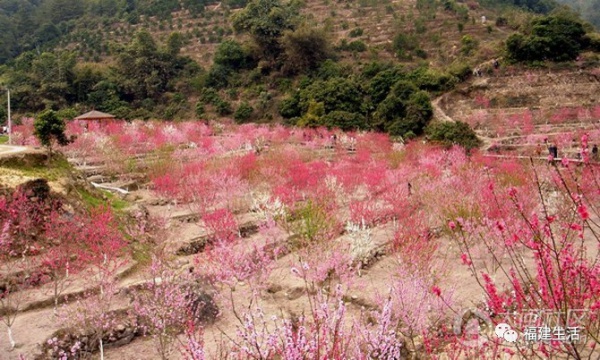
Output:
x=115 y=203
x=3 y=139
x=57 y=167
x=89 y=199
x=142 y=253
x=94 y=201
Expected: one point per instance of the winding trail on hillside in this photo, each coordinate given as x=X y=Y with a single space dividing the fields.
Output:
x=440 y=114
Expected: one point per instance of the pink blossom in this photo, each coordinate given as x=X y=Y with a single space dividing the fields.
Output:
x=465 y=259
x=452 y=225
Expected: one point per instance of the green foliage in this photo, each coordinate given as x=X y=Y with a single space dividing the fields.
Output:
x=453 y=133
x=403 y=43
x=460 y=71
x=468 y=44
x=330 y=69
x=266 y=21
x=199 y=109
x=209 y=95
x=394 y=105
x=67 y=113
x=382 y=82
x=594 y=41
x=432 y=80
x=219 y=76
x=50 y=128
x=310 y=223
x=356 y=32
x=404 y=109
x=305 y=48
x=230 y=54
x=223 y=108
x=313 y=116
x=243 y=112
x=290 y=107
x=353 y=46
x=345 y=120
x=554 y=37
x=335 y=94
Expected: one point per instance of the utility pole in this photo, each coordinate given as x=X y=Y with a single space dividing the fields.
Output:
x=9 y=120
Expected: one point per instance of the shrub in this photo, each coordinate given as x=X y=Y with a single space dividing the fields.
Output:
x=231 y=54
x=336 y=94
x=218 y=76
x=290 y=107
x=356 y=32
x=461 y=71
x=243 y=112
x=555 y=38
x=403 y=42
x=356 y=46
x=501 y=21
x=223 y=108
x=468 y=44
x=418 y=114
x=345 y=120
x=199 y=109
x=209 y=95
x=313 y=115
x=305 y=48
x=449 y=133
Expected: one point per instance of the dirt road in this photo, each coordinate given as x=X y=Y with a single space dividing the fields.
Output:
x=9 y=149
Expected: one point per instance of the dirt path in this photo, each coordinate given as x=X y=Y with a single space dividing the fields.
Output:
x=440 y=114
x=11 y=149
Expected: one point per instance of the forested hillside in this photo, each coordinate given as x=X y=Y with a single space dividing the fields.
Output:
x=370 y=64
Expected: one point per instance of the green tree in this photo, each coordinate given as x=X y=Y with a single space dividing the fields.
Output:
x=232 y=55
x=453 y=133
x=49 y=128
x=468 y=44
x=243 y=112
x=290 y=107
x=336 y=94
x=555 y=37
x=382 y=82
x=313 y=116
x=305 y=48
x=145 y=71
x=174 y=43
x=345 y=120
x=405 y=109
x=266 y=21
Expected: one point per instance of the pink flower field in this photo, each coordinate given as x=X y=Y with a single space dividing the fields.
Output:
x=269 y=242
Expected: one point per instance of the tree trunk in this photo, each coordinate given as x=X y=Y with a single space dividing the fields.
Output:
x=55 y=298
x=10 y=338
x=101 y=349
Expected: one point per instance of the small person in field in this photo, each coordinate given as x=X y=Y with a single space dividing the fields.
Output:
x=538 y=150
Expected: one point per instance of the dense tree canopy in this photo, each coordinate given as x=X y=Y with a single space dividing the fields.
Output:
x=453 y=133
x=266 y=21
x=144 y=74
x=554 y=37
x=389 y=99
x=49 y=128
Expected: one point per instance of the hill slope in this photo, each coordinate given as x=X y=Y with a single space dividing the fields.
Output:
x=191 y=59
